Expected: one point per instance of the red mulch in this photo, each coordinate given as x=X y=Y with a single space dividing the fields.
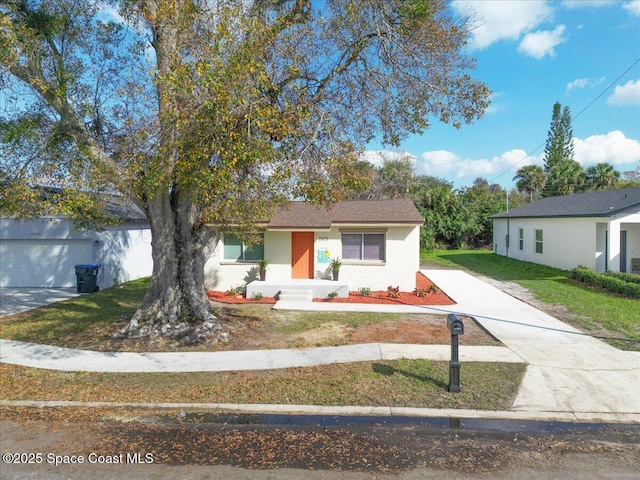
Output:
x=406 y=298
x=222 y=297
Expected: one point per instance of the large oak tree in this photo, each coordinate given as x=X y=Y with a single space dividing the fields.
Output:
x=213 y=112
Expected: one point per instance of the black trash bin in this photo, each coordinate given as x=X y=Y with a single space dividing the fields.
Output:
x=87 y=276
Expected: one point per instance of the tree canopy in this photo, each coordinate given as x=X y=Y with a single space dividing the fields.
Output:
x=213 y=112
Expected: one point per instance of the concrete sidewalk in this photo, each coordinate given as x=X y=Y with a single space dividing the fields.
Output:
x=68 y=359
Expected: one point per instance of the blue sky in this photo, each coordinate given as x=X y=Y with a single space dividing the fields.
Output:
x=532 y=54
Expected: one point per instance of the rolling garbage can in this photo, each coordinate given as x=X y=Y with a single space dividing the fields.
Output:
x=86 y=276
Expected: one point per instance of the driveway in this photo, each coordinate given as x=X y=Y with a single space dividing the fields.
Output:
x=568 y=371
x=16 y=300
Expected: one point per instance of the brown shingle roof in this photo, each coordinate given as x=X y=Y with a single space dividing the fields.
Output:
x=308 y=216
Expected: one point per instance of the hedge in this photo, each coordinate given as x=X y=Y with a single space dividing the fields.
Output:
x=612 y=283
x=627 y=277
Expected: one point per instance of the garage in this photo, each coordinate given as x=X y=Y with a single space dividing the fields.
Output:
x=42 y=263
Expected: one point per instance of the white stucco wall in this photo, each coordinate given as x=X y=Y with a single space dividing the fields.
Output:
x=48 y=243
x=569 y=242
x=124 y=253
x=399 y=268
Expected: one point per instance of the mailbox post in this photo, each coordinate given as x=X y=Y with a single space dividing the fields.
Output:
x=456 y=327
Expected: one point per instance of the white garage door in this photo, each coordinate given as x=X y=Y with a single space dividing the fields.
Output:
x=42 y=263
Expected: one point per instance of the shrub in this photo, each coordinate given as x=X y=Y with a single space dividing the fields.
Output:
x=365 y=291
x=611 y=283
x=627 y=277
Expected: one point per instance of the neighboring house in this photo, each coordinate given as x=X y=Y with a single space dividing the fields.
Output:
x=377 y=241
x=42 y=252
x=599 y=230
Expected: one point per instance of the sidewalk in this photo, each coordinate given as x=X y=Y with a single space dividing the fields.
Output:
x=569 y=375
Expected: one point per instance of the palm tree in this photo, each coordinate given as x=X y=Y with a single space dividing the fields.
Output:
x=530 y=180
x=565 y=178
x=603 y=176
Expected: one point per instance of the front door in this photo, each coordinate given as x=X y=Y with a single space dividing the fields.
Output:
x=302 y=254
x=623 y=251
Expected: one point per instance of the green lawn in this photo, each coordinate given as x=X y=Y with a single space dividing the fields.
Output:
x=594 y=311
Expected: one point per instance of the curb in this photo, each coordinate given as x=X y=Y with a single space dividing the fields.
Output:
x=573 y=417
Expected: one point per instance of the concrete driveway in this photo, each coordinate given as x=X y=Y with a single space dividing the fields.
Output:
x=16 y=300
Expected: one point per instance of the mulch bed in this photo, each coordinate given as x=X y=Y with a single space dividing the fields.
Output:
x=406 y=298
x=379 y=297
x=223 y=297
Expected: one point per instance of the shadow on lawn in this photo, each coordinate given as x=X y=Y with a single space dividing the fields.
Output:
x=388 y=371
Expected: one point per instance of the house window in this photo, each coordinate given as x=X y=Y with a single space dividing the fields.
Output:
x=363 y=246
x=236 y=249
x=521 y=237
x=538 y=241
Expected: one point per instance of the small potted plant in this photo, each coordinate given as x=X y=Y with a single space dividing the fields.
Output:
x=262 y=266
x=335 y=267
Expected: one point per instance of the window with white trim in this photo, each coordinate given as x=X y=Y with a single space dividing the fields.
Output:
x=363 y=246
x=236 y=249
x=521 y=238
x=539 y=241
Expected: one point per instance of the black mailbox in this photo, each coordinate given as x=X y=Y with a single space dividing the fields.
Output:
x=455 y=325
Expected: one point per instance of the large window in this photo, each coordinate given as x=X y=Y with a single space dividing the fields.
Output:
x=539 y=239
x=363 y=246
x=236 y=249
x=521 y=237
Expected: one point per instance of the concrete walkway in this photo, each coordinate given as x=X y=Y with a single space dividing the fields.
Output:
x=568 y=373
x=68 y=359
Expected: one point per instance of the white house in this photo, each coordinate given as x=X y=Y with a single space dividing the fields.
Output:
x=42 y=252
x=599 y=230
x=377 y=241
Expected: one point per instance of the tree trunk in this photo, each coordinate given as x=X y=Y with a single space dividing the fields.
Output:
x=176 y=303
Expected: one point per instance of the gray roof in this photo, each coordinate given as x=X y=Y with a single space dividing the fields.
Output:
x=602 y=203
x=308 y=216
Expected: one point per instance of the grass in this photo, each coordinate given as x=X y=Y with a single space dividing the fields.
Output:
x=90 y=320
x=85 y=320
x=593 y=310
x=407 y=383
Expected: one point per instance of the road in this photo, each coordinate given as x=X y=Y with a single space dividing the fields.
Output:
x=120 y=445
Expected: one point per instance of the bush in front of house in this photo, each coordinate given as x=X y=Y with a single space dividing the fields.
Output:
x=627 y=277
x=612 y=283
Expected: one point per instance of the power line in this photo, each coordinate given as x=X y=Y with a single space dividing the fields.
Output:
x=607 y=88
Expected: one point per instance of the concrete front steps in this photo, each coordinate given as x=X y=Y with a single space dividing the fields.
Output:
x=295 y=295
x=301 y=290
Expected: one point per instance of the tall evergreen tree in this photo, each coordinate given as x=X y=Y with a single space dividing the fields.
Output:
x=558 y=149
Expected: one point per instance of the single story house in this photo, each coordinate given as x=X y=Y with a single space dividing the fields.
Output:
x=43 y=252
x=377 y=242
x=599 y=230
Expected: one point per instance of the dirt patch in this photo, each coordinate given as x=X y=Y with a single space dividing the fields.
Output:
x=425 y=329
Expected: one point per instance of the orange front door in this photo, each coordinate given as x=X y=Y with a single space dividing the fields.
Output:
x=302 y=254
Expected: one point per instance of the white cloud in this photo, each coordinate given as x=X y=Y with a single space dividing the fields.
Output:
x=633 y=7
x=377 y=157
x=442 y=162
x=584 y=82
x=614 y=148
x=497 y=20
x=627 y=94
x=542 y=43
